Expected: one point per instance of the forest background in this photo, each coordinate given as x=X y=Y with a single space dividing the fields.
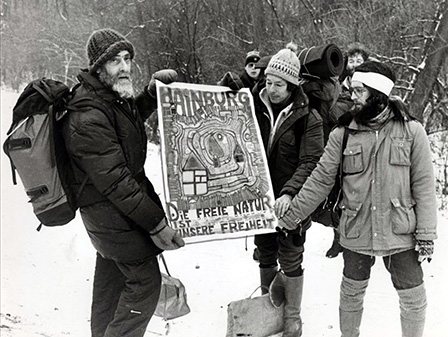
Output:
x=203 y=39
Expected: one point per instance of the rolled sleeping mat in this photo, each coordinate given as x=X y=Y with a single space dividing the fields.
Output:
x=321 y=61
x=263 y=63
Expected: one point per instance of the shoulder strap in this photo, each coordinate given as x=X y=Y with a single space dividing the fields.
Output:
x=336 y=191
x=86 y=103
x=344 y=145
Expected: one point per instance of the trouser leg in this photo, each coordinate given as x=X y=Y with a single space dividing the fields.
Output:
x=266 y=277
x=108 y=283
x=267 y=247
x=407 y=277
x=138 y=300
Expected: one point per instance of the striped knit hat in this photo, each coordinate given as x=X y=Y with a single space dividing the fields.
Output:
x=252 y=57
x=104 y=44
x=285 y=64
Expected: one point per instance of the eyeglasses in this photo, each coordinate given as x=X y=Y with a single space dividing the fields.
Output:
x=359 y=91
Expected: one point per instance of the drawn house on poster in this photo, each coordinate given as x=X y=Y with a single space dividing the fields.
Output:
x=215 y=172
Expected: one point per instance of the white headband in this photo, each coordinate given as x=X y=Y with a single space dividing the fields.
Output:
x=374 y=80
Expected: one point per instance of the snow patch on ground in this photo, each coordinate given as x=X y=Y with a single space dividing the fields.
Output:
x=46 y=277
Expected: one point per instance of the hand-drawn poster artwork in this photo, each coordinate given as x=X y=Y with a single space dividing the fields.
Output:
x=216 y=178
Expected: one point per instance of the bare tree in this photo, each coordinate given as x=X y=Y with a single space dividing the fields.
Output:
x=431 y=64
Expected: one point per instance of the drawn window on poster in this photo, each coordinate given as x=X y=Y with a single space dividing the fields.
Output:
x=216 y=180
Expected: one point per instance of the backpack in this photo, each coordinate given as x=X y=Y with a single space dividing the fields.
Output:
x=35 y=147
x=321 y=67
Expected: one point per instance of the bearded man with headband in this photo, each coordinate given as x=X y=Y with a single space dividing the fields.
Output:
x=389 y=203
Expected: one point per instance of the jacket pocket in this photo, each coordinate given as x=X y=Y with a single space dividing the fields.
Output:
x=353 y=159
x=348 y=224
x=403 y=216
x=400 y=152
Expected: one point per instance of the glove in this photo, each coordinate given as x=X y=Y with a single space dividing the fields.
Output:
x=166 y=76
x=425 y=249
x=165 y=237
x=232 y=81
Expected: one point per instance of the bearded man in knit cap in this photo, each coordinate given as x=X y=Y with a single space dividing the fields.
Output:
x=389 y=203
x=293 y=139
x=122 y=213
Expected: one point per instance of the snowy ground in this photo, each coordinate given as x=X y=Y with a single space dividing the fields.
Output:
x=46 y=277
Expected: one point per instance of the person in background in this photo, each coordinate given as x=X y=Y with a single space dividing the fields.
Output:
x=292 y=135
x=355 y=56
x=261 y=82
x=248 y=78
x=120 y=210
x=251 y=73
x=389 y=202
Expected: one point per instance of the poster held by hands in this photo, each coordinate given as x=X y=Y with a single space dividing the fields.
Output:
x=216 y=178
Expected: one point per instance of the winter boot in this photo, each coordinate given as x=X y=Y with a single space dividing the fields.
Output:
x=293 y=302
x=412 y=311
x=266 y=277
x=336 y=247
x=351 y=306
x=277 y=290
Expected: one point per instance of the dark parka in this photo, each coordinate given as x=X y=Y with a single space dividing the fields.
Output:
x=291 y=160
x=118 y=204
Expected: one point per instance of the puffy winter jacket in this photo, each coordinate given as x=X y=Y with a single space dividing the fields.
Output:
x=388 y=186
x=293 y=144
x=118 y=204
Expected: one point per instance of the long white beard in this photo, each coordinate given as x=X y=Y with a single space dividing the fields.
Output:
x=122 y=86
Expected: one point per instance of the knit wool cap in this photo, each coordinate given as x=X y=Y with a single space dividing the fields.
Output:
x=252 y=57
x=285 y=64
x=105 y=43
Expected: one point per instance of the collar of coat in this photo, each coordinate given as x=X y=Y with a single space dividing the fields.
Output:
x=92 y=83
x=299 y=103
x=287 y=117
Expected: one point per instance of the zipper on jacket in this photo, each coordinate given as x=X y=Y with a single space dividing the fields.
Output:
x=127 y=111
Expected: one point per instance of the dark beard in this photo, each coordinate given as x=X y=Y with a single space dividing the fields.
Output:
x=364 y=114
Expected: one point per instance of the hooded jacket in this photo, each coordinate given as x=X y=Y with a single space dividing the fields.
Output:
x=118 y=204
x=388 y=187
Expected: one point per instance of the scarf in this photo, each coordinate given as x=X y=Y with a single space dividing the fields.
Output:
x=381 y=119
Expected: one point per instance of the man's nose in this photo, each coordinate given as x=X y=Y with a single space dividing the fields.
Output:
x=124 y=65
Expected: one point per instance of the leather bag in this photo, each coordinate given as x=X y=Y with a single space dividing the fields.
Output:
x=173 y=297
x=254 y=316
